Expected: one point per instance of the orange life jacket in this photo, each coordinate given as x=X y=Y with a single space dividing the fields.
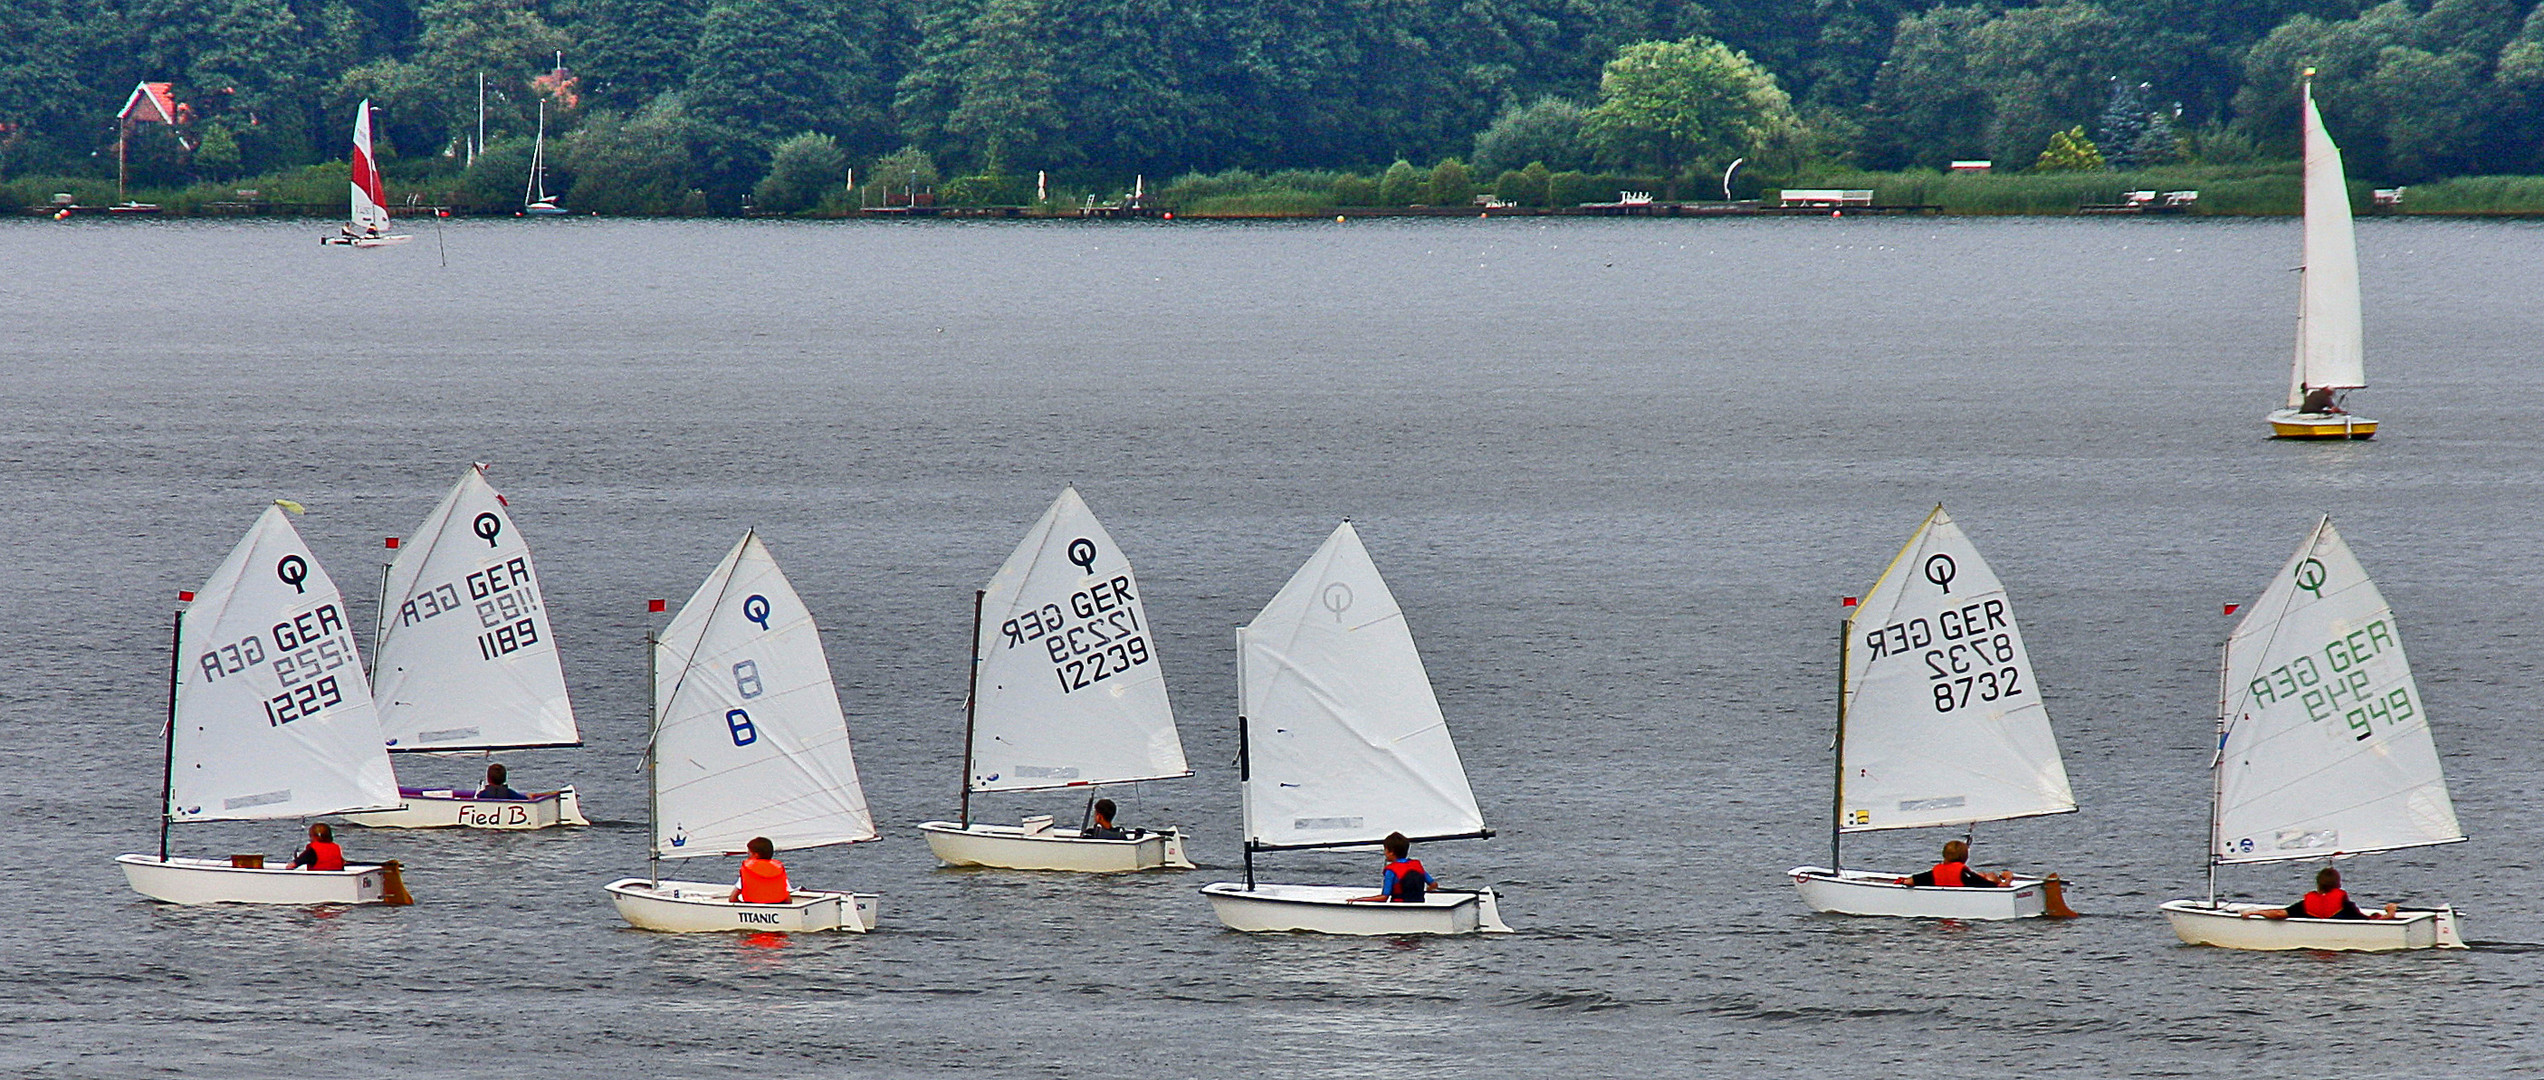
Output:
x=1948 y=874
x=325 y=855
x=2325 y=905
x=764 y=882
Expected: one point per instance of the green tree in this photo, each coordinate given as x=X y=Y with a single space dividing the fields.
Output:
x=1549 y=130
x=637 y=165
x=1401 y=185
x=216 y=157
x=897 y=174
x=1449 y=184
x=803 y=171
x=2069 y=151
x=1005 y=110
x=1669 y=105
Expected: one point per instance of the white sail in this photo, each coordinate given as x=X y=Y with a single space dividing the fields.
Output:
x=2330 y=338
x=1070 y=687
x=1944 y=719
x=2326 y=748
x=1344 y=741
x=749 y=739
x=273 y=716
x=465 y=659
x=370 y=194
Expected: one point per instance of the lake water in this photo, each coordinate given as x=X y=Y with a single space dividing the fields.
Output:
x=1617 y=472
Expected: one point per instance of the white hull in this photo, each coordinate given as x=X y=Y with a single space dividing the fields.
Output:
x=1327 y=909
x=215 y=881
x=1010 y=847
x=2198 y=923
x=697 y=907
x=1866 y=892
x=368 y=241
x=440 y=809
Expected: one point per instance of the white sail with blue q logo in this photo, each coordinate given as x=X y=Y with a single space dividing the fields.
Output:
x=749 y=739
x=464 y=658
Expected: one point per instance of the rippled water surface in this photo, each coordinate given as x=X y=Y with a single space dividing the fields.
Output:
x=1618 y=474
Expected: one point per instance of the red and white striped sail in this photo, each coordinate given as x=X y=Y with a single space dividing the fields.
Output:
x=370 y=195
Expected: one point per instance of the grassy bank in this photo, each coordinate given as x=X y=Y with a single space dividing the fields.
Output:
x=2271 y=189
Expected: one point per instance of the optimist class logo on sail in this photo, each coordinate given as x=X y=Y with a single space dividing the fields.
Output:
x=1094 y=637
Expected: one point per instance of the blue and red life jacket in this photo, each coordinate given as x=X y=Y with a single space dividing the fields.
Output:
x=1406 y=881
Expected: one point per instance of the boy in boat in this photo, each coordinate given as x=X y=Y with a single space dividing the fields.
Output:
x=2327 y=901
x=1954 y=872
x=1102 y=827
x=1405 y=881
x=495 y=787
x=322 y=852
x=763 y=878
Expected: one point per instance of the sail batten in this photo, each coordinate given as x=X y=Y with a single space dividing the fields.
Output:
x=1071 y=691
x=273 y=717
x=749 y=738
x=466 y=659
x=1945 y=724
x=1345 y=741
x=2327 y=748
x=2331 y=351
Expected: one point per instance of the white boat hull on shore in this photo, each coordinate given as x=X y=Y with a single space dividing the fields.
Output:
x=700 y=907
x=1329 y=909
x=1010 y=847
x=1867 y=892
x=2223 y=925
x=440 y=808
x=216 y=881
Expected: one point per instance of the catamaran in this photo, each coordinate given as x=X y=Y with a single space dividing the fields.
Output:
x=748 y=741
x=463 y=659
x=1067 y=693
x=2323 y=752
x=269 y=718
x=1940 y=723
x=535 y=200
x=2331 y=355
x=369 y=225
x=1340 y=742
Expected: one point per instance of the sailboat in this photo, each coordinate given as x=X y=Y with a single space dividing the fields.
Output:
x=2331 y=355
x=1940 y=724
x=1067 y=692
x=1340 y=742
x=535 y=200
x=748 y=741
x=463 y=659
x=2323 y=752
x=269 y=718
x=369 y=226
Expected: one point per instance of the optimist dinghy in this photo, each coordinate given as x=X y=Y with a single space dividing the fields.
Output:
x=269 y=718
x=463 y=659
x=2323 y=752
x=2331 y=349
x=1067 y=692
x=748 y=741
x=1940 y=723
x=368 y=226
x=1341 y=742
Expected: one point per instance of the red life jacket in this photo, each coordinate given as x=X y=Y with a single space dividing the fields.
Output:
x=1409 y=881
x=326 y=855
x=1948 y=874
x=764 y=882
x=2325 y=905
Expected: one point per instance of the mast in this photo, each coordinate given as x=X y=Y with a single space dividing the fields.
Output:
x=971 y=707
x=2217 y=766
x=380 y=616
x=479 y=146
x=1837 y=750
x=168 y=756
x=1245 y=762
x=653 y=739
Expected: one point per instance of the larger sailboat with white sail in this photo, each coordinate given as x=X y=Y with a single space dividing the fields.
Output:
x=2331 y=336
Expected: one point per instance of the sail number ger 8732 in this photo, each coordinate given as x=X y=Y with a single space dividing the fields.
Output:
x=1969 y=653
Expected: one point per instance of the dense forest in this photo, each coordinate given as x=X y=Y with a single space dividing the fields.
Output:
x=698 y=105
